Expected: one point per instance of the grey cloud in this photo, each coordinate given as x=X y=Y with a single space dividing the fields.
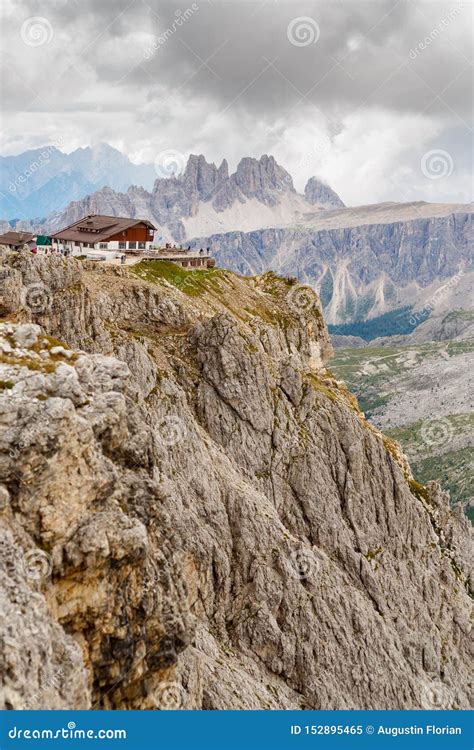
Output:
x=367 y=51
x=228 y=79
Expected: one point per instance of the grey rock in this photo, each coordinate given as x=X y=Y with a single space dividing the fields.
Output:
x=222 y=519
x=202 y=192
x=316 y=192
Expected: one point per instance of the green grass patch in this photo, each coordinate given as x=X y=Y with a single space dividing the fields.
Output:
x=419 y=490
x=453 y=471
x=411 y=436
x=193 y=282
x=36 y=365
x=459 y=314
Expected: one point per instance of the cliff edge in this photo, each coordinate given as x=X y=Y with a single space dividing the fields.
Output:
x=194 y=512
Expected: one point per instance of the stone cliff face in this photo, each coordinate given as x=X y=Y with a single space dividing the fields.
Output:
x=317 y=192
x=195 y=514
x=361 y=270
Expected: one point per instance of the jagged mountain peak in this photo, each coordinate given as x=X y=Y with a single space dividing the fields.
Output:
x=203 y=199
x=98 y=148
x=318 y=192
x=223 y=169
x=201 y=175
x=262 y=177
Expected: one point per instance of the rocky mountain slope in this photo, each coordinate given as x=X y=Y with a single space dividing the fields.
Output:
x=420 y=395
x=194 y=512
x=368 y=261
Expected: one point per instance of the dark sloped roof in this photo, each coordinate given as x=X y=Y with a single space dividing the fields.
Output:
x=98 y=228
x=15 y=238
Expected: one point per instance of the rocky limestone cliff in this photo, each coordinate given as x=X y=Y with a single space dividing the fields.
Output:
x=365 y=262
x=204 y=198
x=194 y=512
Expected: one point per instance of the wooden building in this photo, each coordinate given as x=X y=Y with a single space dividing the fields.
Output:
x=104 y=234
x=17 y=240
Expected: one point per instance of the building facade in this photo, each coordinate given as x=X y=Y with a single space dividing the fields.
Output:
x=18 y=240
x=108 y=236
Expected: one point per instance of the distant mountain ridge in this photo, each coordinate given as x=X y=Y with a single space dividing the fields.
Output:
x=46 y=184
x=39 y=181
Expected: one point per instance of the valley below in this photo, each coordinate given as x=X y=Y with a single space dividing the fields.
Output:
x=421 y=395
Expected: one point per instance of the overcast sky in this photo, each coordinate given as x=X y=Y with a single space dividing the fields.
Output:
x=373 y=97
